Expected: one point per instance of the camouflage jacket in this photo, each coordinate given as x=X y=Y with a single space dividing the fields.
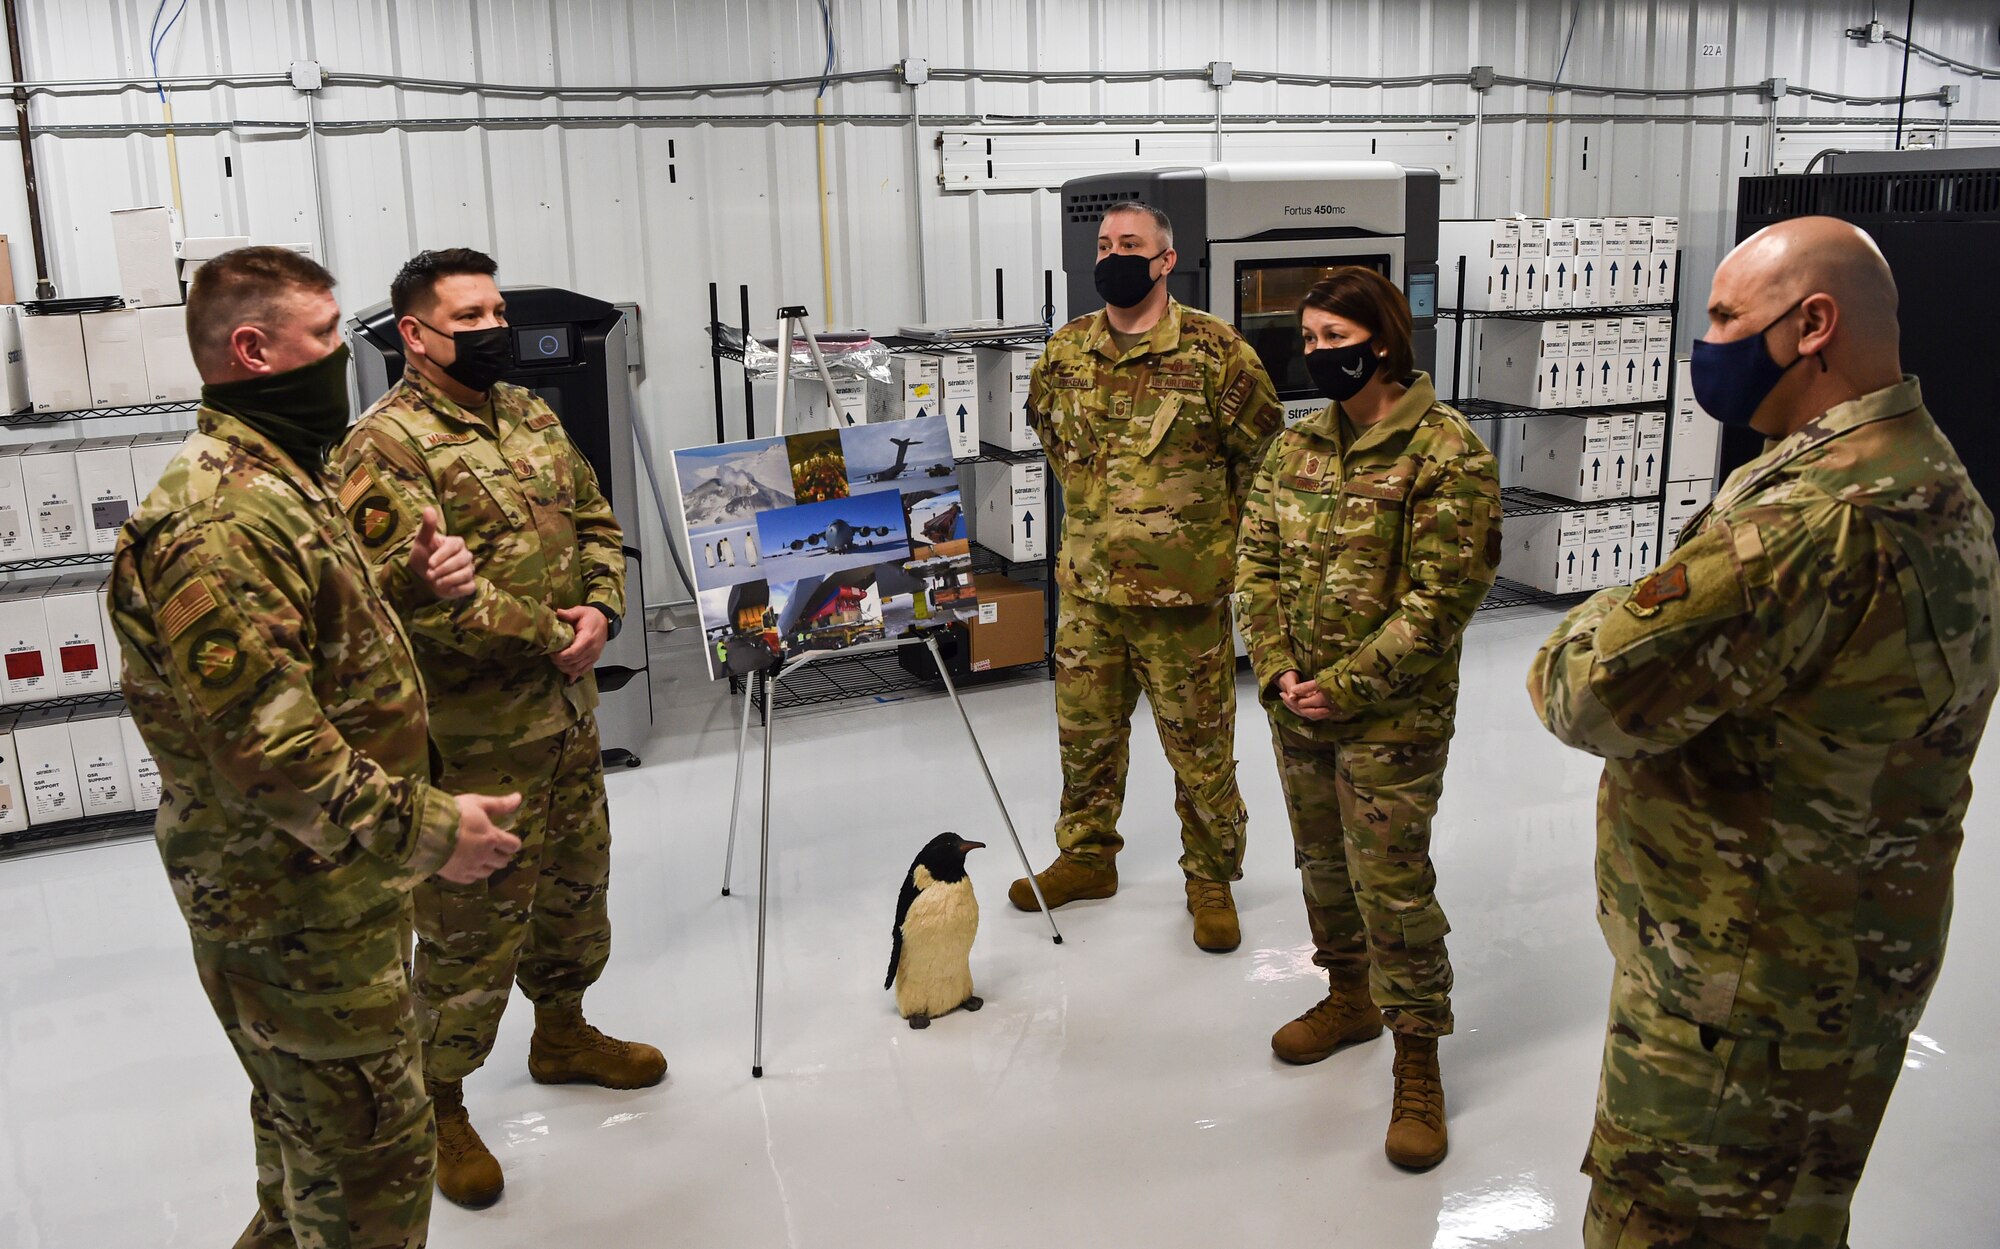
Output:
x=278 y=694
x=1153 y=450
x=541 y=534
x=1360 y=566
x=1788 y=709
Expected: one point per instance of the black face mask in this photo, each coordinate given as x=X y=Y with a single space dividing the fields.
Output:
x=303 y=410
x=484 y=356
x=1124 y=279
x=1341 y=372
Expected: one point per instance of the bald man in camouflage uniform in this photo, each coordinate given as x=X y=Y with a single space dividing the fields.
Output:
x=281 y=700
x=512 y=692
x=1788 y=710
x=1154 y=417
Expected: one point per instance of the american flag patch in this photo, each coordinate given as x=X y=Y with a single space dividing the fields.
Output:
x=185 y=608
x=353 y=488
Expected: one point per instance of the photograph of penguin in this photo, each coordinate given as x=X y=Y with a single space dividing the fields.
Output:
x=930 y=955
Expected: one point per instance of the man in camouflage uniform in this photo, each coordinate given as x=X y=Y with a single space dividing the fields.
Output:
x=511 y=685
x=1788 y=711
x=1367 y=545
x=283 y=704
x=1153 y=416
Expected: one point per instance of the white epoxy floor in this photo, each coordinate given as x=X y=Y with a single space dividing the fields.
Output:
x=1117 y=1090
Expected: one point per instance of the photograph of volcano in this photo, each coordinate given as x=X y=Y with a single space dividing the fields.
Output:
x=731 y=483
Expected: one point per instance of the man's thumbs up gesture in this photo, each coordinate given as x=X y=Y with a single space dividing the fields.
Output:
x=440 y=561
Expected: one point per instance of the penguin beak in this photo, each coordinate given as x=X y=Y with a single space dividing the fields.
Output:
x=967 y=847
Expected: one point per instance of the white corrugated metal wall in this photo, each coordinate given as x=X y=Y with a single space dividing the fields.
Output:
x=719 y=186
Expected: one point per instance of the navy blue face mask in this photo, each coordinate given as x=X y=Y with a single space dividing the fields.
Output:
x=1732 y=380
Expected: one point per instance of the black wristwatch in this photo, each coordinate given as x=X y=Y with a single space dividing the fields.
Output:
x=611 y=618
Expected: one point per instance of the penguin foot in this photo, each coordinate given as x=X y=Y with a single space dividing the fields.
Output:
x=920 y=1021
x=972 y=1003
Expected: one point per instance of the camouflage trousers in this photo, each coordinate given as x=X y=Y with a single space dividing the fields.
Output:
x=1704 y=1139
x=542 y=920
x=1183 y=660
x=1361 y=835
x=324 y=1024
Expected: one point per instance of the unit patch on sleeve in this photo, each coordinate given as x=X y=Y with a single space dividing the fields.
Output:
x=375 y=520
x=216 y=658
x=1656 y=591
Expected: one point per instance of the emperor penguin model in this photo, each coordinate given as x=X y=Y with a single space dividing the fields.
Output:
x=930 y=955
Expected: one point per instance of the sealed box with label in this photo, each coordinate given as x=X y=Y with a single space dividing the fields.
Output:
x=76 y=635
x=170 y=370
x=1524 y=362
x=1011 y=625
x=1578 y=390
x=1606 y=558
x=151 y=453
x=807 y=409
x=1567 y=456
x=1656 y=369
x=145 y=240
x=958 y=399
x=16 y=527
x=53 y=361
x=104 y=483
x=114 y=352
x=55 y=502
x=13 y=799
x=48 y=766
x=1623 y=448
x=1649 y=453
x=1684 y=501
x=139 y=762
x=1492 y=251
x=1590 y=273
x=1616 y=230
x=27 y=660
x=1631 y=379
x=1009 y=509
x=13 y=361
x=1606 y=365
x=1695 y=444
x=1543 y=551
x=1646 y=550
x=1534 y=263
x=1560 y=289
x=1003 y=396
x=910 y=392
x=98 y=748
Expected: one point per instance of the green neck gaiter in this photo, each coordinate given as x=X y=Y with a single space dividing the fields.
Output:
x=303 y=410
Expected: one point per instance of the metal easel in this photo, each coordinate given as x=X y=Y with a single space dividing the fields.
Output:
x=792 y=320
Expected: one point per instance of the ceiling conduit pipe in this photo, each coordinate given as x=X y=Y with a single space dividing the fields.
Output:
x=44 y=288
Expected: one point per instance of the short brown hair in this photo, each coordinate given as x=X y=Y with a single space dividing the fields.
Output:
x=240 y=288
x=1161 y=222
x=1372 y=302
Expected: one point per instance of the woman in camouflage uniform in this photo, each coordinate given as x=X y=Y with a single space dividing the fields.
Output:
x=1369 y=537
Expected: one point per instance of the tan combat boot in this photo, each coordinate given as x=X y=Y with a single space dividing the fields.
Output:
x=566 y=1050
x=1416 y=1125
x=1346 y=1015
x=1065 y=880
x=467 y=1172
x=1214 y=911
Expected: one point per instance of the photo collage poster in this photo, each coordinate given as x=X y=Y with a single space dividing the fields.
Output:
x=824 y=540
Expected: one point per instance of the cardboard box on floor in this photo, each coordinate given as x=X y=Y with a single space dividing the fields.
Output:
x=1011 y=624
